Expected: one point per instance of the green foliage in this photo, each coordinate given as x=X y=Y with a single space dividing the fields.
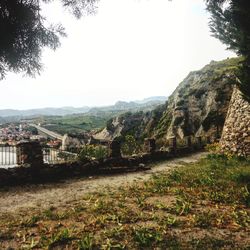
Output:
x=32 y=130
x=204 y=219
x=27 y=32
x=86 y=243
x=25 y=36
x=230 y=22
x=170 y=221
x=60 y=237
x=214 y=118
x=130 y=146
x=92 y=151
x=109 y=125
x=210 y=243
x=243 y=82
x=164 y=123
x=66 y=156
x=145 y=237
x=31 y=222
x=182 y=207
x=198 y=93
x=178 y=120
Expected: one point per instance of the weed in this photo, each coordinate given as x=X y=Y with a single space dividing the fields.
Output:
x=61 y=237
x=181 y=207
x=30 y=222
x=86 y=242
x=242 y=218
x=176 y=176
x=141 y=201
x=145 y=237
x=210 y=243
x=112 y=245
x=169 y=221
x=246 y=195
x=204 y=219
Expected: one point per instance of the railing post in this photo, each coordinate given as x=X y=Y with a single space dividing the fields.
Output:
x=29 y=153
x=173 y=144
x=208 y=140
x=199 y=142
x=189 y=142
x=115 y=149
x=149 y=145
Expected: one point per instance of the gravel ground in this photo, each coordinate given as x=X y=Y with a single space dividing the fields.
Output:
x=18 y=199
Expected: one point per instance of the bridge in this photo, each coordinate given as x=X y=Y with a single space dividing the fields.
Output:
x=51 y=134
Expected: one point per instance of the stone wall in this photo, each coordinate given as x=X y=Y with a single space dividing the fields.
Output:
x=236 y=132
x=52 y=173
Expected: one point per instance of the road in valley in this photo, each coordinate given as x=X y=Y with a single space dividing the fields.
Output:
x=47 y=132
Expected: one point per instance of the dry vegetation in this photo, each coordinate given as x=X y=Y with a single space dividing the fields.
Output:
x=203 y=205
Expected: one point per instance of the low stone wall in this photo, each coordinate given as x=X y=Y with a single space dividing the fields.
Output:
x=236 y=132
x=52 y=173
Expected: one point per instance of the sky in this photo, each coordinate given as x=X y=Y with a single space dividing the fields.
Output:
x=129 y=50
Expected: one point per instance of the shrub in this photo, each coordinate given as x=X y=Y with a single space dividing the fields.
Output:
x=213 y=148
x=130 y=146
x=92 y=151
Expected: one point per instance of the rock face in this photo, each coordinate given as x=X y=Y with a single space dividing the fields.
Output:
x=198 y=107
x=139 y=124
x=236 y=133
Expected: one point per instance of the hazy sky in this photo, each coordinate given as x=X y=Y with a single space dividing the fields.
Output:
x=131 y=49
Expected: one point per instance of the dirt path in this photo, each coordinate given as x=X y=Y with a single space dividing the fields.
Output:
x=60 y=194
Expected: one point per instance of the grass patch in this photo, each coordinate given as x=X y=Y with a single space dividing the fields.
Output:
x=180 y=209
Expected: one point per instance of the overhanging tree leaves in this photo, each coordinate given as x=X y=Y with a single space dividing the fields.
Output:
x=24 y=33
x=230 y=23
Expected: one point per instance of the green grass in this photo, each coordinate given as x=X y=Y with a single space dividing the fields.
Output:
x=204 y=205
x=75 y=123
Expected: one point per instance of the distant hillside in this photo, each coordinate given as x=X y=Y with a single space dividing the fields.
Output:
x=4 y=120
x=121 y=106
x=43 y=111
x=94 y=119
x=147 y=103
x=197 y=107
x=153 y=99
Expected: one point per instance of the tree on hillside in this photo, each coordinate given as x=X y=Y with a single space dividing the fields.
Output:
x=230 y=23
x=25 y=32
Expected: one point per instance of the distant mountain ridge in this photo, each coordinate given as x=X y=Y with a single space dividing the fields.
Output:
x=42 y=111
x=120 y=105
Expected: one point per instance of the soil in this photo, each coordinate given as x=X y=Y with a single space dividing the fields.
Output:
x=19 y=199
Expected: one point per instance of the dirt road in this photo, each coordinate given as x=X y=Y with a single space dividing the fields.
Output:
x=18 y=199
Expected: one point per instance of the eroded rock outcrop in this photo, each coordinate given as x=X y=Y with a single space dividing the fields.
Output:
x=198 y=107
x=71 y=141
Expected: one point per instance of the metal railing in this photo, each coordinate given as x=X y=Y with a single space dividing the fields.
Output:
x=8 y=156
x=11 y=156
x=55 y=156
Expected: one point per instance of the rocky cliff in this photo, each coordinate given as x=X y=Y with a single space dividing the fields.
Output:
x=197 y=107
